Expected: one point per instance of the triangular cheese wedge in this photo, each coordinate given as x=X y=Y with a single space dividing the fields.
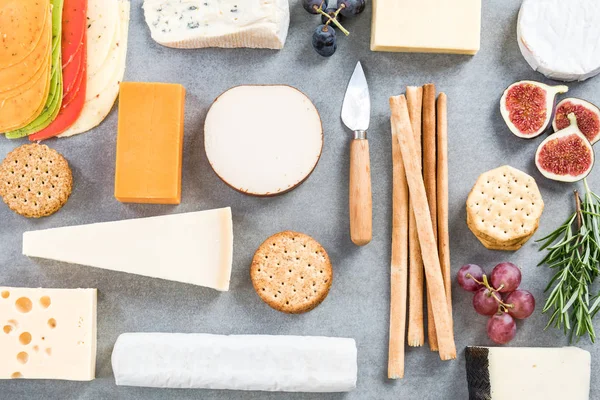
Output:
x=194 y=248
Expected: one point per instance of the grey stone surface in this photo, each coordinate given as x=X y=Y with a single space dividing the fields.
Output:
x=358 y=304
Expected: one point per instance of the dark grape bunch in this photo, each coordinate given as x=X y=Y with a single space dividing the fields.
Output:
x=324 y=38
x=499 y=298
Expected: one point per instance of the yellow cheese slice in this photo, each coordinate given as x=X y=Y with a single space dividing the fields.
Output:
x=21 y=27
x=28 y=70
x=19 y=110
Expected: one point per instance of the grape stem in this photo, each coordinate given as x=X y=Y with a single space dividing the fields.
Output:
x=334 y=20
x=502 y=305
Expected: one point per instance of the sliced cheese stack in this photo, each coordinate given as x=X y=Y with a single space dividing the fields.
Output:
x=194 y=248
x=107 y=33
x=74 y=67
x=190 y=24
x=238 y=362
x=25 y=61
x=48 y=333
x=528 y=373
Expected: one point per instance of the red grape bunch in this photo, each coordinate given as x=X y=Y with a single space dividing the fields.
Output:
x=499 y=298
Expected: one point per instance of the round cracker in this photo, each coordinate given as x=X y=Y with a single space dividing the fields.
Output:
x=291 y=272
x=35 y=180
x=504 y=205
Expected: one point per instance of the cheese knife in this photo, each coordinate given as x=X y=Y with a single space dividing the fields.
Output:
x=356 y=114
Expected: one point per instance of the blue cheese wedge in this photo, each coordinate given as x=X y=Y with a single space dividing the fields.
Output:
x=504 y=373
x=192 y=24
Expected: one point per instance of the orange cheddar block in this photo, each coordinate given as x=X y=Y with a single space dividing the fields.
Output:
x=149 y=143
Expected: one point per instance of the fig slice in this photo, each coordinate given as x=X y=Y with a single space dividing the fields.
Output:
x=587 y=115
x=566 y=156
x=527 y=106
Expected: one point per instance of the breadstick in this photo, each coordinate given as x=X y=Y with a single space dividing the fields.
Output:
x=442 y=195
x=429 y=175
x=399 y=264
x=429 y=251
x=416 y=332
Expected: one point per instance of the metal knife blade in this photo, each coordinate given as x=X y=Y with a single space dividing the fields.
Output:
x=356 y=109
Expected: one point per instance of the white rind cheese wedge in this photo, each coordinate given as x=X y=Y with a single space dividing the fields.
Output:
x=194 y=248
x=237 y=362
x=103 y=85
x=192 y=24
x=47 y=334
x=505 y=373
x=561 y=39
x=263 y=140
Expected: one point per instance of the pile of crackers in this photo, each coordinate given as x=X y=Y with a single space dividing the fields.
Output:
x=504 y=208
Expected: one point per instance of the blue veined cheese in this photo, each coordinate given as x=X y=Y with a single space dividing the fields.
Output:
x=191 y=24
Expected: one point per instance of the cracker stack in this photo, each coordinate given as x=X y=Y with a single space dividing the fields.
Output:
x=504 y=208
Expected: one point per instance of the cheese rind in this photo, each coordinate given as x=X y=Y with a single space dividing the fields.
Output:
x=190 y=24
x=48 y=333
x=236 y=362
x=560 y=39
x=193 y=248
x=505 y=373
x=426 y=26
x=149 y=170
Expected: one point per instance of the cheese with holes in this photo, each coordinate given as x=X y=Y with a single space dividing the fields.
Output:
x=505 y=373
x=194 y=247
x=236 y=362
x=194 y=24
x=561 y=39
x=149 y=170
x=48 y=333
x=426 y=26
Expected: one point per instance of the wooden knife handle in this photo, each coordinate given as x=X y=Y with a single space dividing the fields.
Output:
x=361 y=214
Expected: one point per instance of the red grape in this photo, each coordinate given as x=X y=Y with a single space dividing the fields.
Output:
x=466 y=282
x=507 y=275
x=523 y=304
x=501 y=328
x=484 y=302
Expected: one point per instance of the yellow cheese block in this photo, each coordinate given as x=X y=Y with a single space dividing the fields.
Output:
x=149 y=143
x=22 y=26
x=426 y=26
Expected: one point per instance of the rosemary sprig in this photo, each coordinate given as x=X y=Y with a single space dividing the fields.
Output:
x=574 y=253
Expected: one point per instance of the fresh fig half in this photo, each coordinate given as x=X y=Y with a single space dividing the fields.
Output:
x=566 y=156
x=587 y=115
x=526 y=107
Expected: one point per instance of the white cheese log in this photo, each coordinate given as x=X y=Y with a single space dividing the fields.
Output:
x=263 y=140
x=106 y=67
x=47 y=334
x=561 y=39
x=505 y=373
x=237 y=362
x=194 y=248
x=191 y=24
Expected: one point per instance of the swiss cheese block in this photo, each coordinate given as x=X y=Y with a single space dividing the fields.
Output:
x=236 y=362
x=426 y=26
x=218 y=23
x=194 y=247
x=48 y=333
x=263 y=140
x=504 y=373
x=150 y=143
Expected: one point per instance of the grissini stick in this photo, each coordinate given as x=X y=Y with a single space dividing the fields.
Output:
x=399 y=263
x=429 y=251
x=416 y=332
x=442 y=195
x=429 y=176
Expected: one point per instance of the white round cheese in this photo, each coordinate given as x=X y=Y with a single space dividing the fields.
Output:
x=263 y=140
x=561 y=38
